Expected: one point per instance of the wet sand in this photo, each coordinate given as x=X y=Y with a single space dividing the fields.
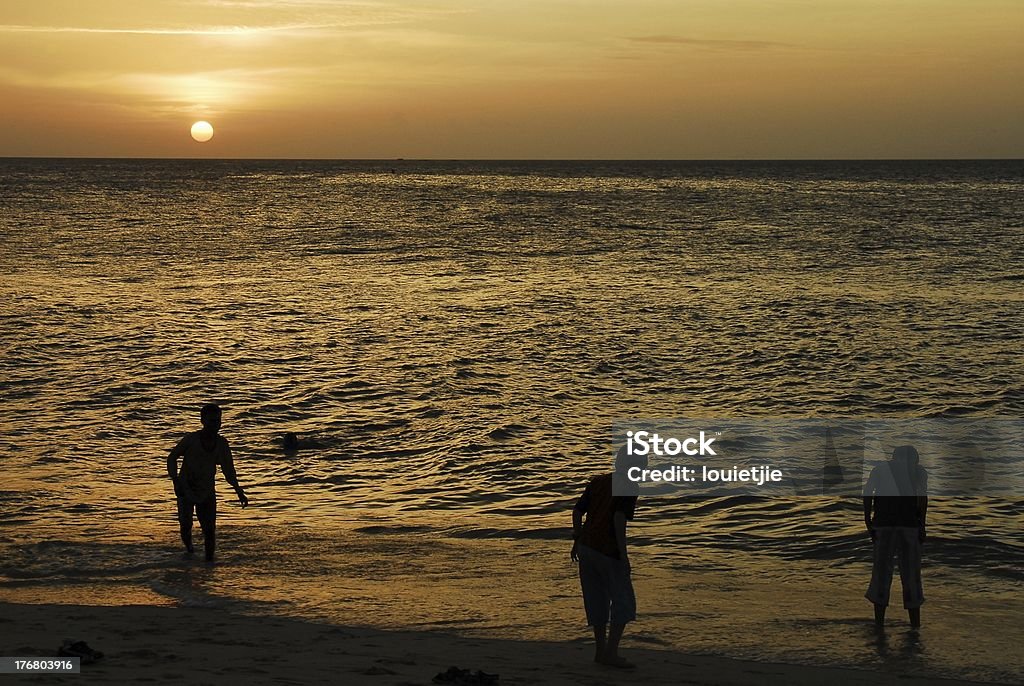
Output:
x=145 y=644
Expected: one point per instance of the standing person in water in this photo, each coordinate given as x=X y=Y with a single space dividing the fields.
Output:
x=201 y=451
x=599 y=546
x=895 y=505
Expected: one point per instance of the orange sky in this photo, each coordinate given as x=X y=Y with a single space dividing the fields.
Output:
x=514 y=78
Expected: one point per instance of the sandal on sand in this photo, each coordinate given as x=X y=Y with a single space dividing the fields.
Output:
x=80 y=649
x=465 y=677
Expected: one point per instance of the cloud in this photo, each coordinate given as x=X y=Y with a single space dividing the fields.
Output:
x=198 y=92
x=278 y=4
x=280 y=18
x=718 y=44
x=197 y=31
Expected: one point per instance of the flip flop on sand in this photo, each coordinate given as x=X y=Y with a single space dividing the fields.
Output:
x=81 y=649
x=465 y=677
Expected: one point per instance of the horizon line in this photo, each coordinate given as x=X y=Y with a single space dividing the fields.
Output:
x=518 y=159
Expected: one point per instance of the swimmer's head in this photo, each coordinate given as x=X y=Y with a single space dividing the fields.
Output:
x=291 y=441
x=210 y=415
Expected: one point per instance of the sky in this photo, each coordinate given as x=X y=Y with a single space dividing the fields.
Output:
x=519 y=79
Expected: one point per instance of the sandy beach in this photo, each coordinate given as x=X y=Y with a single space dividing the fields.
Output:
x=407 y=343
x=145 y=644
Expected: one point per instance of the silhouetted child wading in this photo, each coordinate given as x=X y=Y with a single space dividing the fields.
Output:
x=201 y=452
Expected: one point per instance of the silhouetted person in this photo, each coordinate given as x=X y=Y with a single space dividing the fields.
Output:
x=201 y=452
x=600 y=548
x=895 y=505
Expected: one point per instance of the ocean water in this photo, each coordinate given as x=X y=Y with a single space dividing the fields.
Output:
x=453 y=342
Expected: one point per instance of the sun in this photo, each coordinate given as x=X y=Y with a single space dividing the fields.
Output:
x=202 y=131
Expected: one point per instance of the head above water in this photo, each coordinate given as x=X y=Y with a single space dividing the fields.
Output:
x=210 y=416
x=291 y=441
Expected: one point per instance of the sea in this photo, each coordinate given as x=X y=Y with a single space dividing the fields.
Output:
x=452 y=342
